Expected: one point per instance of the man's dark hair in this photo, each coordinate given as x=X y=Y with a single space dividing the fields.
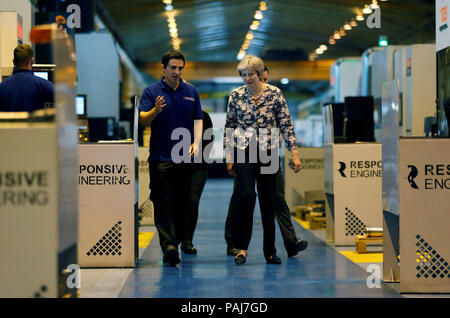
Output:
x=266 y=69
x=172 y=54
x=22 y=55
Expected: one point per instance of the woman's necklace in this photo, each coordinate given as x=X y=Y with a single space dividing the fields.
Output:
x=257 y=97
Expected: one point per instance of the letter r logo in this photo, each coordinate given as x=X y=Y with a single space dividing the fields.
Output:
x=342 y=168
x=412 y=175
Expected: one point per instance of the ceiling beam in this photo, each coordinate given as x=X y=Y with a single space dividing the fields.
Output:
x=294 y=70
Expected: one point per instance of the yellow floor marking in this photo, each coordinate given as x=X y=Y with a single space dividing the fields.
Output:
x=305 y=224
x=355 y=257
x=145 y=238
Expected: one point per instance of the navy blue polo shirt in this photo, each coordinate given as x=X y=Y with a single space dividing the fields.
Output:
x=182 y=108
x=24 y=91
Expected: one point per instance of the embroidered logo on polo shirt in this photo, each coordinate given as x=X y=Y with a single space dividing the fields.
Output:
x=189 y=98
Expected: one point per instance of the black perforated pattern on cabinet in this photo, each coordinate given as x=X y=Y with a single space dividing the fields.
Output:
x=109 y=244
x=353 y=225
x=429 y=263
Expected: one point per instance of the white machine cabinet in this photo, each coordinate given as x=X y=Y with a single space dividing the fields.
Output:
x=354 y=191
x=424 y=201
x=345 y=78
x=28 y=210
x=307 y=182
x=106 y=183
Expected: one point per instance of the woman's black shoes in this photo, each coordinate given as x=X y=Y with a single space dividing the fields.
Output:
x=171 y=257
x=273 y=260
x=240 y=259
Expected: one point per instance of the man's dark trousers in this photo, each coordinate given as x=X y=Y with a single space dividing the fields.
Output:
x=199 y=175
x=169 y=185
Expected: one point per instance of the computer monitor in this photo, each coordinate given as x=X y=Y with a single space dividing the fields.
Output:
x=101 y=128
x=81 y=105
x=45 y=71
x=359 y=124
x=335 y=119
x=43 y=75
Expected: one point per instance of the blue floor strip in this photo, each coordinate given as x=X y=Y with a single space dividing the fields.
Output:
x=319 y=271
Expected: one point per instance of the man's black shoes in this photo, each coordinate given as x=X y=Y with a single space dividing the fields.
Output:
x=293 y=248
x=232 y=251
x=188 y=248
x=171 y=257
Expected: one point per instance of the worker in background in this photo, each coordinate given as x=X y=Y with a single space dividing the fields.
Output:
x=292 y=244
x=171 y=105
x=23 y=91
x=199 y=174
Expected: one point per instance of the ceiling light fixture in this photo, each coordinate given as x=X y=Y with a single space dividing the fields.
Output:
x=250 y=35
x=254 y=26
x=171 y=23
x=258 y=15
x=374 y=4
x=240 y=55
x=262 y=6
x=338 y=34
x=367 y=9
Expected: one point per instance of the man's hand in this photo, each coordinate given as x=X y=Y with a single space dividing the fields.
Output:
x=146 y=118
x=159 y=104
x=296 y=165
x=230 y=169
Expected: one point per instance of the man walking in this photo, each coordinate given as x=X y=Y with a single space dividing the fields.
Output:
x=168 y=105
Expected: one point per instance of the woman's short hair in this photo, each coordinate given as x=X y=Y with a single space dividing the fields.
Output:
x=251 y=62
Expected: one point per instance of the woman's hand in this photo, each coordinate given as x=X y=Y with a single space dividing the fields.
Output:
x=194 y=150
x=296 y=164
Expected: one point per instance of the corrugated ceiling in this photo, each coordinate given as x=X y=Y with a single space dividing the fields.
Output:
x=213 y=31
